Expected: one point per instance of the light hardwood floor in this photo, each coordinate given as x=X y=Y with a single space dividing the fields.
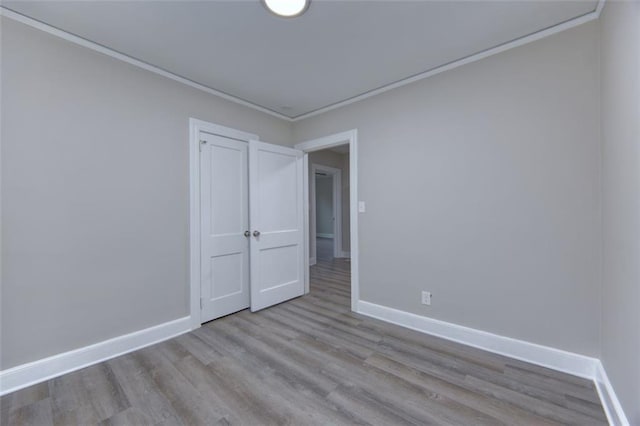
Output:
x=307 y=361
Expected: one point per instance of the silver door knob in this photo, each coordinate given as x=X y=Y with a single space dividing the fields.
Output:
x=247 y=234
x=256 y=233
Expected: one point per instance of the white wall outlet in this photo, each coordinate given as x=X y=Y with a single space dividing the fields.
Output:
x=426 y=298
x=361 y=207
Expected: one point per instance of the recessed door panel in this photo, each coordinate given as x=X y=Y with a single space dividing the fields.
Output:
x=276 y=267
x=228 y=180
x=227 y=275
x=278 y=191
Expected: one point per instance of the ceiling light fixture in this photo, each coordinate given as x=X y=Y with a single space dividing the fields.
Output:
x=286 y=8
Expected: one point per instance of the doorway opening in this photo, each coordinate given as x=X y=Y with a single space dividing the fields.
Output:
x=332 y=223
x=328 y=198
x=329 y=239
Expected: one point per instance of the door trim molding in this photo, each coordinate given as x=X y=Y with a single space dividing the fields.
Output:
x=337 y=209
x=349 y=137
x=195 y=127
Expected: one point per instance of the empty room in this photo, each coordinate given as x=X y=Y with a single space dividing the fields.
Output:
x=313 y=212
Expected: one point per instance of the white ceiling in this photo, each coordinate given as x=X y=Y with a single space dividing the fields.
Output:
x=336 y=51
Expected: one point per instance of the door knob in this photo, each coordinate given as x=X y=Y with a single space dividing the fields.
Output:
x=247 y=234
x=256 y=233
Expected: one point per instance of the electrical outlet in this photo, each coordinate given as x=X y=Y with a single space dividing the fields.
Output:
x=426 y=298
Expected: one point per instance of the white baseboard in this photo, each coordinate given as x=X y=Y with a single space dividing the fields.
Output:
x=610 y=402
x=556 y=359
x=568 y=362
x=312 y=261
x=324 y=235
x=44 y=369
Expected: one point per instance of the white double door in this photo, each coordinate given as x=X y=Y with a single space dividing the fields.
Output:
x=251 y=209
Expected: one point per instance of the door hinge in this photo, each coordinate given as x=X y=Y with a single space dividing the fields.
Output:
x=202 y=143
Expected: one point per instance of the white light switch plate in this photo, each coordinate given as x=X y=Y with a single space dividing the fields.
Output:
x=361 y=207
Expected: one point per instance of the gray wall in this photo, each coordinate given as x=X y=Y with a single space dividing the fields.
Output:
x=340 y=161
x=346 y=203
x=620 y=61
x=482 y=185
x=94 y=193
x=324 y=205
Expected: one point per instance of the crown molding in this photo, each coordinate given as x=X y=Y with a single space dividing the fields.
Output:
x=591 y=16
x=133 y=61
x=600 y=7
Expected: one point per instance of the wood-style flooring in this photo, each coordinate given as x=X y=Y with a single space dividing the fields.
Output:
x=307 y=361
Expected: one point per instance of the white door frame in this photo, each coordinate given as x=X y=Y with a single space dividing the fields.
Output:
x=349 y=137
x=195 y=127
x=337 y=209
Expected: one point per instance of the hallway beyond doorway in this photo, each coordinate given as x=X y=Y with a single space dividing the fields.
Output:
x=324 y=248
